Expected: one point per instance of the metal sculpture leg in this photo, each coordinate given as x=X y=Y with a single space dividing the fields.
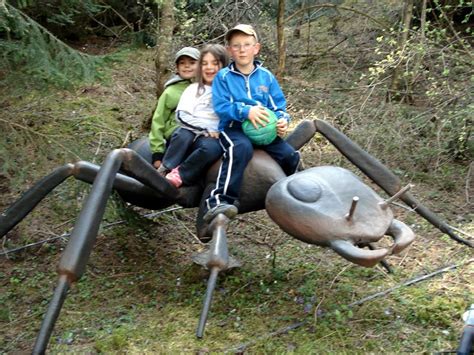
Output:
x=383 y=262
x=51 y=315
x=77 y=252
x=128 y=187
x=382 y=176
x=13 y=215
x=466 y=344
x=216 y=259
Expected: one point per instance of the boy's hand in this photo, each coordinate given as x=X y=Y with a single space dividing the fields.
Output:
x=282 y=127
x=258 y=116
x=214 y=135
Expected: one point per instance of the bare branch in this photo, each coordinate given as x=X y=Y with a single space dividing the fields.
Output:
x=336 y=7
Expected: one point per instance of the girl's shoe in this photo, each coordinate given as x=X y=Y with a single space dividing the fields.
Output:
x=174 y=178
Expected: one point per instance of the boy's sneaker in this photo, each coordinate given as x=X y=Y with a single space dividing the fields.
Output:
x=230 y=211
x=174 y=178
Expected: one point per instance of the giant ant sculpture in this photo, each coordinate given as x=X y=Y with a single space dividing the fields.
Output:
x=326 y=206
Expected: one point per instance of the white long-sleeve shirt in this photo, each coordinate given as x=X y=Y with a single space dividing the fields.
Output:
x=196 y=113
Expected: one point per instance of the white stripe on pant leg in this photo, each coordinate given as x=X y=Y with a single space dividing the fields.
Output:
x=215 y=188
x=217 y=197
x=231 y=162
x=217 y=181
x=299 y=161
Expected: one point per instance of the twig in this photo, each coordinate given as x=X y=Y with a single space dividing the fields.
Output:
x=403 y=206
x=316 y=309
x=332 y=47
x=190 y=232
x=468 y=183
x=4 y=240
x=122 y=18
x=344 y=111
x=241 y=288
x=125 y=90
x=126 y=139
x=367 y=98
x=439 y=106
x=62 y=224
x=14 y=250
x=330 y=287
x=316 y=55
x=337 y=7
x=107 y=129
x=410 y=282
x=104 y=26
x=460 y=231
x=261 y=225
x=98 y=147
x=241 y=347
x=463 y=44
x=403 y=259
x=338 y=274
x=256 y=241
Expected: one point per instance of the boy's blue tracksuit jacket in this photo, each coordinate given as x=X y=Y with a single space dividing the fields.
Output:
x=260 y=87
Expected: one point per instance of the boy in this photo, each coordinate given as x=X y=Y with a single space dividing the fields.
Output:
x=164 y=123
x=242 y=91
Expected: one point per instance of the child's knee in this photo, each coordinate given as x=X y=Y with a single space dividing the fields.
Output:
x=212 y=152
x=243 y=149
x=294 y=161
x=290 y=162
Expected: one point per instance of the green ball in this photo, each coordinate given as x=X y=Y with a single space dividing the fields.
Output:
x=264 y=134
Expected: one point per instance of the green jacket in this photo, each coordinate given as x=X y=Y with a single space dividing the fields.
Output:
x=164 y=122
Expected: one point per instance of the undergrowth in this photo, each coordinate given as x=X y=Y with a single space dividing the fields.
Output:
x=141 y=293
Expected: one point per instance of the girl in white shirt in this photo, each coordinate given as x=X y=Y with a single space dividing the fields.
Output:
x=194 y=146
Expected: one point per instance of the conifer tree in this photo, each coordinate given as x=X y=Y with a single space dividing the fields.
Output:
x=29 y=48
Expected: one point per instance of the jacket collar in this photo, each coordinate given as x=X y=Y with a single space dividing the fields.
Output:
x=234 y=69
x=175 y=79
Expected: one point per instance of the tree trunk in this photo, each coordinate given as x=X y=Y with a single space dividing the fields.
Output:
x=163 y=52
x=396 y=87
x=417 y=67
x=164 y=44
x=281 y=39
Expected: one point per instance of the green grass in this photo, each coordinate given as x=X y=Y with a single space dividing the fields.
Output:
x=143 y=294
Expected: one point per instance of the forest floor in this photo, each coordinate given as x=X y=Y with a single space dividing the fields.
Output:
x=141 y=292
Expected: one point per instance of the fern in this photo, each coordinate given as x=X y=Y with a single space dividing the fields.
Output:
x=29 y=48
